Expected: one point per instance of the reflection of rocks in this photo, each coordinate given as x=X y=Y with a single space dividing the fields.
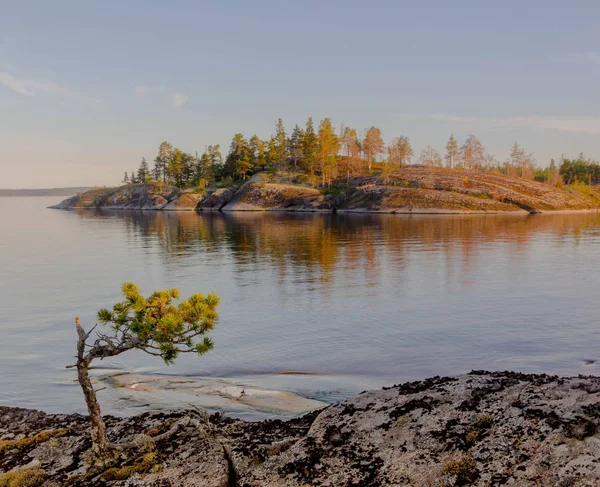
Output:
x=214 y=394
x=483 y=429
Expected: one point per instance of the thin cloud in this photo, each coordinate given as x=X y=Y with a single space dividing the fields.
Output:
x=178 y=99
x=582 y=125
x=143 y=90
x=32 y=88
x=20 y=86
x=593 y=57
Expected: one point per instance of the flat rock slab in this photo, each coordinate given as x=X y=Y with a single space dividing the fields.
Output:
x=212 y=394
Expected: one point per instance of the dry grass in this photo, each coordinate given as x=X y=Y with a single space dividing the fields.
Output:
x=23 y=477
x=464 y=469
x=7 y=445
x=143 y=464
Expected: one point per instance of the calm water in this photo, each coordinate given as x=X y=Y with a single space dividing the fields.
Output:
x=322 y=304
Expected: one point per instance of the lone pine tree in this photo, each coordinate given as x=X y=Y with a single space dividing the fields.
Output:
x=154 y=325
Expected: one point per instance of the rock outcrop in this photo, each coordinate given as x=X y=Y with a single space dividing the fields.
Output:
x=260 y=196
x=408 y=190
x=184 y=202
x=216 y=200
x=482 y=429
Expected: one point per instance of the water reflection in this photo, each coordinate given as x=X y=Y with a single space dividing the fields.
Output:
x=351 y=301
x=320 y=244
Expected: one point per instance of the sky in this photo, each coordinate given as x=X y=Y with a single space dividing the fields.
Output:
x=89 y=88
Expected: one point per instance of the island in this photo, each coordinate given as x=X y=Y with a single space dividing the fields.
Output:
x=414 y=189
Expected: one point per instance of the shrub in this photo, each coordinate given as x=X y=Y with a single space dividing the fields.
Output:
x=464 y=469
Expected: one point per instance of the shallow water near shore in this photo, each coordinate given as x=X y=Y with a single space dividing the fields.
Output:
x=319 y=304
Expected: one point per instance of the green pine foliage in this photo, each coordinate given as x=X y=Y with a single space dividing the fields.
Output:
x=160 y=327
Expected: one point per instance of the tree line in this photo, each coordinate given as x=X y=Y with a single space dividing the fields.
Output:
x=325 y=153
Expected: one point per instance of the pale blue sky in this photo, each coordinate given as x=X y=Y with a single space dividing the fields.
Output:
x=88 y=88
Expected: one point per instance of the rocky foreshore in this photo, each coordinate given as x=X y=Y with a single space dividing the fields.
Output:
x=481 y=429
x=411 y=190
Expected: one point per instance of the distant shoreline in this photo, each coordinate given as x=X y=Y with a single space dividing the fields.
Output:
x=70 y=191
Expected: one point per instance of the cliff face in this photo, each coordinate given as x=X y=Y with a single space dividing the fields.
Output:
x=482 y=429
x=413 y=189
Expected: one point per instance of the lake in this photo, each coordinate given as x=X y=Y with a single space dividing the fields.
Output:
x=321 y=304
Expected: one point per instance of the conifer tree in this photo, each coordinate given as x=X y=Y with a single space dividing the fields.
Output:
x=452 y=152
x=239 y=160
x=143 y=173
x=281 y=153
x=329 y=146
x=310 y=146
x=295 y=146
x=153 y=325
x=157 y=170
x=258 y=151
x=133 y=178
x=126 y=178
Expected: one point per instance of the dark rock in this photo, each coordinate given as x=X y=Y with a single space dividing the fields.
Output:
x=418 y=433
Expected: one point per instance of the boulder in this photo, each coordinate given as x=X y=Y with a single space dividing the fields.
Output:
x=216 y=200
x=185 y=202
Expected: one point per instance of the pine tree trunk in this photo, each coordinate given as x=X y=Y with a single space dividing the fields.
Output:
x=100 y=444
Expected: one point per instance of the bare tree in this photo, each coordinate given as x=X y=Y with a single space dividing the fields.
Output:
x=372 y=146
x=400 y=151
x=522 y=160
x=430 y=157
x=350 y=150
x=473 y=153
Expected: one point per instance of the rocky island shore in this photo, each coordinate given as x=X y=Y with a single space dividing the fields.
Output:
x=409 y=190
x=481 y=429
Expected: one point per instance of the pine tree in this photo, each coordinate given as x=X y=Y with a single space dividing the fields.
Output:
x=132 y=178
x=153 y=325
x=126 y=178
x=329 y=146
x=295 y=146
x=310 y=147
x=258 y=151
x=157 y=170
x=143 y=173
x=164 y=155
x=175 y=168
x=239 y=160
x=281 y=154
x=452 y=152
